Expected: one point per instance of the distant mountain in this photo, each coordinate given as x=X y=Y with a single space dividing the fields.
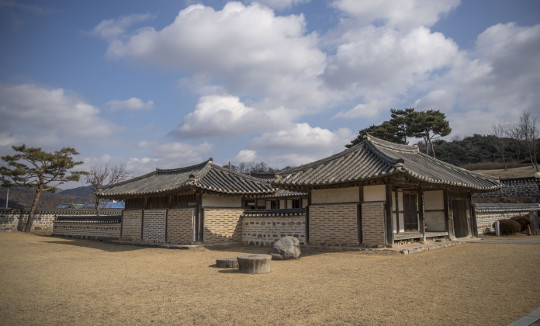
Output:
x=83 y=192
x=20 y=197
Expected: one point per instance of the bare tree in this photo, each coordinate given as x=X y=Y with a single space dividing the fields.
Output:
x=527 y=125
x=500 y=131
x=101 y=175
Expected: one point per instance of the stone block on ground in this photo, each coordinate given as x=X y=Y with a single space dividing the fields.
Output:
x=254 y=264
x=285 y=248
x=227 y=262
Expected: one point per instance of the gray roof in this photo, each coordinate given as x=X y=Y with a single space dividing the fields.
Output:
x=375 y=158
x=206 y=176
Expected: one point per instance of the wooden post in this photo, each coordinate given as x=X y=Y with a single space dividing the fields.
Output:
x=421 y=214
x=474 y=225
x=307 y=216
x=359 y=214
x=397 y=211
x=388 y=213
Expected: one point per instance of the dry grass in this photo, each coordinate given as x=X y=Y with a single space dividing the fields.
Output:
x=521 y=172
x=52 y=281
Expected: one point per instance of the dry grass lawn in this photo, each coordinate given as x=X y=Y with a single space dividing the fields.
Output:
x=54 y=281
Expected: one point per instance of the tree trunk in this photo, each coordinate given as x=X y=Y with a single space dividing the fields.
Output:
x=97 y=201
x=32 y=211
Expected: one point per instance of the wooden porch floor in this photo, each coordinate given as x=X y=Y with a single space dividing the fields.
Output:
x=418 y=235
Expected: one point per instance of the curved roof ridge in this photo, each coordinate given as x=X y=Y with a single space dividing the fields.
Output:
x=197 y=166
x=389 y=145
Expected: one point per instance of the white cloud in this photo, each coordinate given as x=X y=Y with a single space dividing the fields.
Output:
x=111 y=29
x=281 y=4
x=377 y=61
x=131 y=104
x=39 y=116
x=303 y=138
x=402 y=14
x=494 y=83
x=167 y=156
x=225 y=116
x=245 y=155
x=247 y=50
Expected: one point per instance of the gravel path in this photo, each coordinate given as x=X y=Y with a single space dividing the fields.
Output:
x=54 y=281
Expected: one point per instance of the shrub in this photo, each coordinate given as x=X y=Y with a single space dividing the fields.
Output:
x=523 y=221
x=509 y=226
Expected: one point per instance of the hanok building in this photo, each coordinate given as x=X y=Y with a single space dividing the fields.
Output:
x=199 y=203
x=378 y=192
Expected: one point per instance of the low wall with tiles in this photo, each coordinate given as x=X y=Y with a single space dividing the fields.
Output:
x=222 y=225
x=88 y=229
x=15 y=219
x=333 y=225
x=487 y=214
x=266 y=227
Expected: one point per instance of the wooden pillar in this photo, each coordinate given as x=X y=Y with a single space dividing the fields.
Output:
x=421 y=214
x=388 y=216
x=397 y=211
x=449 y=224
x=359 y=214
x=307 y=216
x=474 y=226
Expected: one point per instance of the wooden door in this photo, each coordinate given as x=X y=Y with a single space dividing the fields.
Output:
x=410 y=212
x=459 y=214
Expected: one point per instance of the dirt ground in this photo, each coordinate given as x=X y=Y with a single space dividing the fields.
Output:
x=55 y=281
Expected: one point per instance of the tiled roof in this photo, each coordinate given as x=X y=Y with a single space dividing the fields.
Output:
x=205 y=176
x=375 y=158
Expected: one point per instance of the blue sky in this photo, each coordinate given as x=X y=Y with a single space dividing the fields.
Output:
x=171 y=83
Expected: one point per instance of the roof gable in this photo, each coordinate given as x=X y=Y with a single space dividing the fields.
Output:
x=205 y=176
x=375 y=158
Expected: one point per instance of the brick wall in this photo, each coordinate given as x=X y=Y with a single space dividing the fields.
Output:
x=132 y=225
x=373 y=224
x=154 y=221
x=180 y=226
x=222 y=225
x=333 y=225
x=263 y=231
x=109 y=231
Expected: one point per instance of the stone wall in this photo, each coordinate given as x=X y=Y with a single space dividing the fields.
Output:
x=109 y=231
x=222 y=225
x=487 y=214
x=15 y=219
x=180 y=226
x=266 y=227
x=373 y=224
x=333 y=225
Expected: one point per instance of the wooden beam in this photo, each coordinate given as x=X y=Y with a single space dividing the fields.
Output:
x=397 y=211
x=359 y=215
x=448 y=216
x=388 y=216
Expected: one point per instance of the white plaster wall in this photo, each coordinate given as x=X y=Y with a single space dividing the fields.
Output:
x=209 y=200
x=435 y=221
x=374 y=193
x=282 y=203
x=332 y=196
x=304 y=202
x=434 y=200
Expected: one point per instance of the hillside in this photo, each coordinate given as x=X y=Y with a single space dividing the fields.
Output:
x=520 y=172
x=83 y=192
x=22 y=198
